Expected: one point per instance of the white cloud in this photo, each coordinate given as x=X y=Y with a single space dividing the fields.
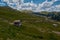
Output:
x=55 y=8
x=45 y=6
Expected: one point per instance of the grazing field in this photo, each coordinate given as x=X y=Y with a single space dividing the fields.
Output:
x=33 y=27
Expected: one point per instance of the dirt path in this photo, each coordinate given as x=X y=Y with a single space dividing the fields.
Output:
x=56 y=32
x=42 y=30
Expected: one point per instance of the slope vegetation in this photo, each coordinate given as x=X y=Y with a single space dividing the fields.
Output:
x=33 y=27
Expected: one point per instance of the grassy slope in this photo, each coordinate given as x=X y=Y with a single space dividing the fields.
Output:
x=32 y=26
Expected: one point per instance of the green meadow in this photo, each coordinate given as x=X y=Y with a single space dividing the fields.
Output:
x=33 y=27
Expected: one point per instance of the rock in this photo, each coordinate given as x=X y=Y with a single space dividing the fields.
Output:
x=55 y=25
x=17 y=23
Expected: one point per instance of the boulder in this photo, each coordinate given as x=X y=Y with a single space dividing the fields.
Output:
x=55 y=25
x=17 y=23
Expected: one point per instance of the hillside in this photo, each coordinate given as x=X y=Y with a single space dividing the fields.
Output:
x=33 y=27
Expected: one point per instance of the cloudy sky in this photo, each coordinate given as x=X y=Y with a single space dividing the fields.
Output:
x=42 y=5
x=38 y=1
